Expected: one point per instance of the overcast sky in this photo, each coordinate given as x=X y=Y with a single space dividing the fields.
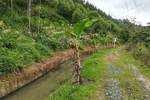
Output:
x=121 y=9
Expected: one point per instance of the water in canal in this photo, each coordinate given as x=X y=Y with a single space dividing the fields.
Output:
x=45 y=85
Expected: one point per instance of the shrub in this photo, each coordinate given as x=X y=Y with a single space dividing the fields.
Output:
x=7 y=61
x=53 y=44
x=97 y=27
x=64 y=41
x=9 y=40
x=142 y=53
x=43 y=50
x=88 y=42
x=20 y=51
x=80 y=47
x=30 y=49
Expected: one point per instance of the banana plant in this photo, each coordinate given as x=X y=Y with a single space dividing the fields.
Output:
x=105 y=39
x=96 y=37
x=77 y=31
x=110 y=38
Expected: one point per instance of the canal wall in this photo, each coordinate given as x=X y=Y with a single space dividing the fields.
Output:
x=26 y=75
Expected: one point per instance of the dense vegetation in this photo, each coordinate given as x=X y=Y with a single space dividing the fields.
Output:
x=26 y=30
x=139 y=43
x=107 y=76
x=28 y=34
x=21 y=46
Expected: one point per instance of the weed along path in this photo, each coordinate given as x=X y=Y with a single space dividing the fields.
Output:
x=108 y=75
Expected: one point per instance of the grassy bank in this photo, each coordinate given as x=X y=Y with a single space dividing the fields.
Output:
x=93 y=69
x=100 y=71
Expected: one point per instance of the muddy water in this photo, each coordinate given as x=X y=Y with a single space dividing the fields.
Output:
x=45 y=85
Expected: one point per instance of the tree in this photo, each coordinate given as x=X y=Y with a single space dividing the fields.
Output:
x=27 y=8
x=39 y=17
x=128 y=27
x=64 y=8
x=97 y=27
x=77 y=31
x=93 y=14
x=29 y=13
x=148 y=25
x=52 y=3
x=77 y=15
x=79 y=1
x=124 y=36
x=2 y=4
x=11 y=8
x=112 y=26
x=81 y=7
x=72 y=8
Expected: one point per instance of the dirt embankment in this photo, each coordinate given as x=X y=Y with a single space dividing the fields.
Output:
x=27 y=75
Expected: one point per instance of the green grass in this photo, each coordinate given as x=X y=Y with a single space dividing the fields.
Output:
x=137 y=85
x=95 y=68
x=128 y=59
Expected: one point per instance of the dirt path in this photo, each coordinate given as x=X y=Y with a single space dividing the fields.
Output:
x=124 y=81
x=140 y=76
x=116 y=52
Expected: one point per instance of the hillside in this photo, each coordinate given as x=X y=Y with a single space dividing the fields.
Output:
x=22 y=45
x=38 y=35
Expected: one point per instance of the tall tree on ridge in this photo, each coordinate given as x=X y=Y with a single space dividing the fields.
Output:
x=39 y=16
x=11 y=8
x=27 y=8
x=29 y=13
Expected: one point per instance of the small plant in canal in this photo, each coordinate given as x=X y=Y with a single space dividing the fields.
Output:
x=77 y=31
